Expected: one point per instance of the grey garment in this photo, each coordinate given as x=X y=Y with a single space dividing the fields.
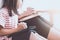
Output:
x=42 y=27
x=22 y=35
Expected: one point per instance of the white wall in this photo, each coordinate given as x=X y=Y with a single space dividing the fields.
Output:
x=43 y=4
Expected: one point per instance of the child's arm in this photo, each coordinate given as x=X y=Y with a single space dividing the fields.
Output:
x=20 y=27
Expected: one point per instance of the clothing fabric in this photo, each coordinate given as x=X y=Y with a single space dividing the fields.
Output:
x=21 y=35
x=7 y=22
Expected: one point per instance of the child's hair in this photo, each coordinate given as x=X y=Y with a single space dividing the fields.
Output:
x=11 y=5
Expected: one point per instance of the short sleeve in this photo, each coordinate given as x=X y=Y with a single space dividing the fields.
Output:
x=2 y=21
x=14 y=21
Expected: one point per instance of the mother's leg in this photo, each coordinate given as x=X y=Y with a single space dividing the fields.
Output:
x=36 y=36
x=54 y=34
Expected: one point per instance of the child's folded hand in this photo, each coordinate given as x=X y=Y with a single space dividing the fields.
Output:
x=22 y=25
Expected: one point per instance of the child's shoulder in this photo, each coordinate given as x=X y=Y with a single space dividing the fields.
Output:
x=3 y=11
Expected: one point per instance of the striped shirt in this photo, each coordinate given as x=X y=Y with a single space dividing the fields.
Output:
x=7 y=22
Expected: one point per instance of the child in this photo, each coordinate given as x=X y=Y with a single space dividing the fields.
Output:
x=9 y=19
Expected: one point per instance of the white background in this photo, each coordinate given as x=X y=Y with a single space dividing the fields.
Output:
x=41 y=4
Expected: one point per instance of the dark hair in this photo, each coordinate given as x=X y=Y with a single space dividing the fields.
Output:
x=11 y=5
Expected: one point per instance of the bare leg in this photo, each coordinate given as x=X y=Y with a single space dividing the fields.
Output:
x=54 y=34
x=36 y=36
